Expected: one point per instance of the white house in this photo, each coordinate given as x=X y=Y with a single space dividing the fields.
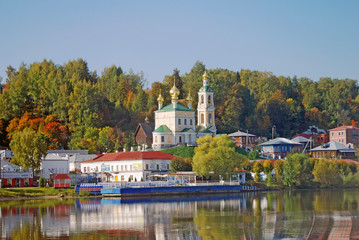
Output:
x=128 y=166
x=75 y=157
x=54 y=164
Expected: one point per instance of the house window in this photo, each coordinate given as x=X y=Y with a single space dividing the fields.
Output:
x=146 y=166
x=162 y=139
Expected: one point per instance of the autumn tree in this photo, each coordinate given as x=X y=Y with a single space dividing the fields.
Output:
x=327 y=173
x=181 y=164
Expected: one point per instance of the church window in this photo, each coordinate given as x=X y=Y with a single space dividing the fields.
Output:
x=179 y=121
x=155 y=139
x=190 y=121
x=180 y=139
x=185 y=122
x=209 y=118
x=202 y=118
x=202 y=99
x=189 y=138
x=162 y=139
x=209 y=99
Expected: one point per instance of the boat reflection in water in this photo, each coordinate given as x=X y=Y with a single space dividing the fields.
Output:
x=271 y=215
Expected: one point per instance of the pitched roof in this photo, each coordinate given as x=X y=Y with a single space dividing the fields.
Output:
x=187 y=130
x=241 y=134
x=333 y=146
x=280 y=141
x=179 y=107
x=130 y=156
x=300 y=139
x=343 y=128
x=62 y=176
x=147 y=128
x=162 y=128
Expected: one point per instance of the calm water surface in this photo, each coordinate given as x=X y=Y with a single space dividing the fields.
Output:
x=319 y=214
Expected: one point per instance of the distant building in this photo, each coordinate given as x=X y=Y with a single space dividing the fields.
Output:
x=279 y=148
x=75 y=157
x=243 y=139
x=334 y=150
x=14 y=176
x=128 y=166
x=345 y=135
x=175 y=124
x=319 y=136
x=143 y=133
x=307 y=143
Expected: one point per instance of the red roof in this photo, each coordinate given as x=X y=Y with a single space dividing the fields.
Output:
x=62 y=176
x=343 y=128
x=130 y=156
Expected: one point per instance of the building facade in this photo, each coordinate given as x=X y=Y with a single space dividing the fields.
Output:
x=279 y=148
x=334 y=150
x=243 y=139
x=143 y=133
x=128 y=166
x=175 y=124
x=345 y=135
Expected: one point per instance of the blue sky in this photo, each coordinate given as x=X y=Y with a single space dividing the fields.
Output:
x=305 y=38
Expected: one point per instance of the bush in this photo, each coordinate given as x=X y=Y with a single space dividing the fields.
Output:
x=42 y=182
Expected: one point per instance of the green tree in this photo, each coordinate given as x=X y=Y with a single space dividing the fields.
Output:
x=216 y=154
x=28 y=147
x=297 y=171
x=253 y=155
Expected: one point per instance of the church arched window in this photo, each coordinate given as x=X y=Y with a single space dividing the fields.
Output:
x=202 y=118
x=209 y=118
x=202 y=99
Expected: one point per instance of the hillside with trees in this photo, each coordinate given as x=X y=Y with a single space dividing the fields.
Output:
x=67 y=106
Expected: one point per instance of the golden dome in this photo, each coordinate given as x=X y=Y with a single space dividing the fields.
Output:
x=174 y=92
x=160 y=98
x=189 y=98
x=205 y=77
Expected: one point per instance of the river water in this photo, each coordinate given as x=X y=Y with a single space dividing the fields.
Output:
x=300 y=214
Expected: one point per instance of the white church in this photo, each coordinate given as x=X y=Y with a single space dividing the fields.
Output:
x=175 y=124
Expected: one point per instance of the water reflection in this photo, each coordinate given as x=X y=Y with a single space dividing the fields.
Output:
x=271 y=215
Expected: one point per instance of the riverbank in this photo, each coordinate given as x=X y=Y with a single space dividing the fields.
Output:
x=37 y=193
